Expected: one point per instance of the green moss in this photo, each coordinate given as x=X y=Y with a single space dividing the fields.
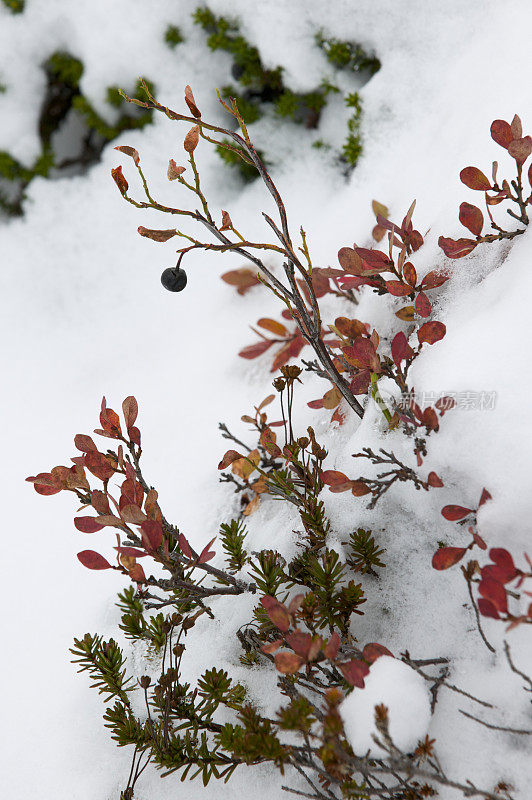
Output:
x=64 y=96
x=348 y=55
x=16 y=6
x=249 y=110
x=173 y=36
x=65 y=68
x=247 y=171
x=352 y=147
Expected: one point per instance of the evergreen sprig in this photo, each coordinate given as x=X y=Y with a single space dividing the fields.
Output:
x=105 y=663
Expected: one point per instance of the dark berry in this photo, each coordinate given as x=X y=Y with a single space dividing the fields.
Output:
x=174 y=280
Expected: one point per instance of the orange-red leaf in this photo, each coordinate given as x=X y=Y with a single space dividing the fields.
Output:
x=255 y=350
x=87 y=524
x=373 y=651
x=191 y=103
x=288 y=663
x=501 y=132
x=454 y=513
x=271 y=325
x=93 y=560
x=431 y=332
x=120 y=181
x=447 y=557
x=472 y=218
x=474 y=178
x=456 y=248
x=129 y=151
x=191 y=139
x=155 y=235
x=174 y=171
x=354 y=672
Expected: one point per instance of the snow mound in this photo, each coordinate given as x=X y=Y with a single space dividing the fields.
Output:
x=407 y=698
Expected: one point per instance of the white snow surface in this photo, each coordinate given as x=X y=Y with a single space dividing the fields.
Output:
x=406 y=696
x=83 y=315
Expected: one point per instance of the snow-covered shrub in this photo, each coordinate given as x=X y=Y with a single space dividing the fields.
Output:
x=296 y=609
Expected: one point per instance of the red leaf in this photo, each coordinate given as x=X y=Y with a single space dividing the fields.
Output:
x=431 y=332
x=400 y=348
x=316 y=403
x=129 y=151
x=361 y=382
x=288 y=663
x=410 y=274
x=191 y=103
x=501 y=133
x=255 y=350
x=331 y=648
x=516 y=127
x=444 y=404
x=362 y=354
x=174 y=171
x=487 y=609
x=120 y=181
x=44 y=484
x=484 y=497
x=434 y=279
x=276 y=612
x=206 y=554
x=93 y=560
x=375 y=261
x=184 y=546
x=472 y=218
x=242 y=278
x=434 y=480
x=359 y=488
x=397 y=288
x=475 y=179
x=87 y=524
x=332 y=477
x=134 y=435
x=156 y=235
x=99 y=466
x=228 y=458
x=454 y=513
x=446 y=557
x=191 y=139
x=271 y=647
x=84 y=443
x=295 y=603
x=520 y=149
x=152 y=534
x=373 y=651
x=429 y=419
x=227 y=223
x=422 y=305
x=456 y=248
x=479 y=541
x=300 y=643
x=354 y=672
x=100 y=502
x=495 y=592
x=505 y=570
x=130 y=410
x=350 y=261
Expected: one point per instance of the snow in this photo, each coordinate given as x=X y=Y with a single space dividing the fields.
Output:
x=83 y=314
x=405 y=694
